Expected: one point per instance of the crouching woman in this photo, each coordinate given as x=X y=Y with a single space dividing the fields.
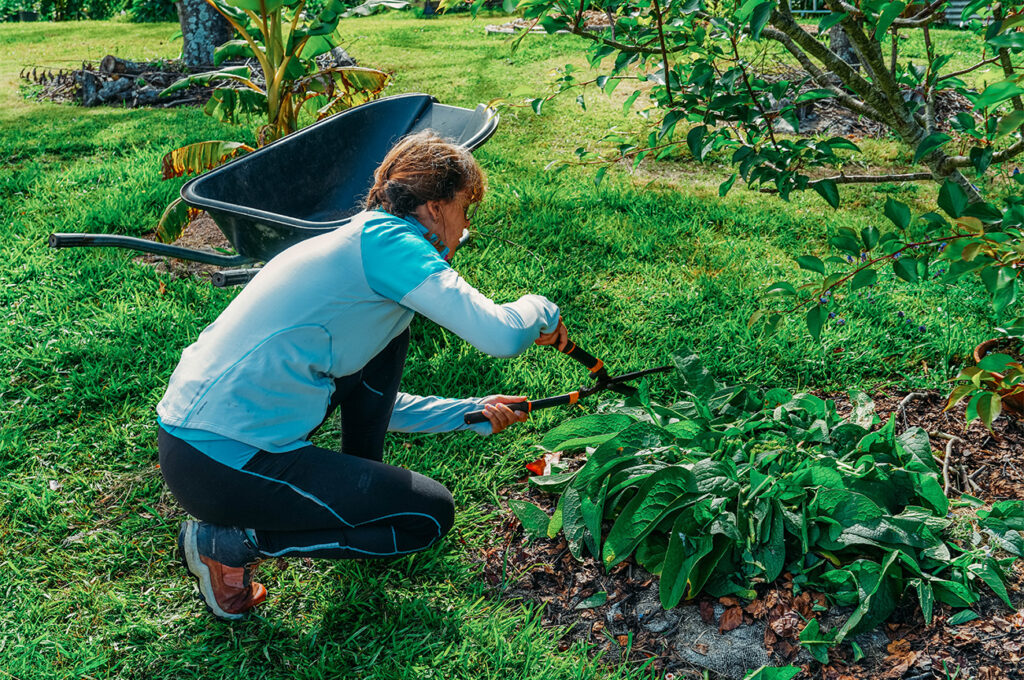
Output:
x=324 y=327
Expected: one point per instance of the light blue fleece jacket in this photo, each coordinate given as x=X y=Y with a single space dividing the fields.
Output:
x=263 y=373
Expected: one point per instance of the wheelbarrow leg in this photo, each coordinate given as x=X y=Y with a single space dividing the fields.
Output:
x=233 y=277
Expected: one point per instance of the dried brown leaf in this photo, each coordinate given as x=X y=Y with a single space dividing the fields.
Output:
x=731 y=619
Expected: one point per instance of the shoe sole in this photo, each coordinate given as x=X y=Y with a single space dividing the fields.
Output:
x=189 y=548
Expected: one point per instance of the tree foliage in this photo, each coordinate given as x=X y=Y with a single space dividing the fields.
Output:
x=701 y=66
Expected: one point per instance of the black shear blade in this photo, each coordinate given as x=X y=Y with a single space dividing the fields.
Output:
x=617 y=384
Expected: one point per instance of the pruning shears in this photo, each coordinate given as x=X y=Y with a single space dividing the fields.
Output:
x=597 y=371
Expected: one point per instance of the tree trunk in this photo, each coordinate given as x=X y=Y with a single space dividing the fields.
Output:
x=202 y=30
x=839 y=43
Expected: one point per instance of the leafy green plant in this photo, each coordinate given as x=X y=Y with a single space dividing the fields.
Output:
x=730 y=487
x=996 y=379
x=964 y=240
x=703 y=67
x=285 y=42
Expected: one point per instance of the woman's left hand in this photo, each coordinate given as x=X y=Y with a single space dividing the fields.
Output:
x=500 y=415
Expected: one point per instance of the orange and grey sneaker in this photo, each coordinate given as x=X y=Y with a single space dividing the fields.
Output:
x=221 y=559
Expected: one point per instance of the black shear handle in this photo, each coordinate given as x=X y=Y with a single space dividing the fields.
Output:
x=527 y=406
x=595 y=365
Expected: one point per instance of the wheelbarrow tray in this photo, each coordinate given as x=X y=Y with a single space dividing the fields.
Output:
x=316 y=179
x=306 y=183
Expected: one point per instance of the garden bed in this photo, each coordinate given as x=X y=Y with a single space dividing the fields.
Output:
x=619 y=613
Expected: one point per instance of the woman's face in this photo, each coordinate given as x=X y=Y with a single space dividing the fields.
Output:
x=447 y=219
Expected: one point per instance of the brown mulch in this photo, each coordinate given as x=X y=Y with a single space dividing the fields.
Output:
x=621 y=629
x=201 y=233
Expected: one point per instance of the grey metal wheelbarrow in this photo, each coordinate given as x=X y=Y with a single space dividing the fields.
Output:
x=261 y=208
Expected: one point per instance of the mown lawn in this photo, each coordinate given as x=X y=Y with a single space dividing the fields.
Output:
x=643 y=266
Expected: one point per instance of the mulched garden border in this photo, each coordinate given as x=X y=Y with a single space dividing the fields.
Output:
x=631 y=627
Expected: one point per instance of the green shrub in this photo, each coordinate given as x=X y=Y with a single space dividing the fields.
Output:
x=9 y=10
x=729 y=488
x=67 y=10
x=150 y=11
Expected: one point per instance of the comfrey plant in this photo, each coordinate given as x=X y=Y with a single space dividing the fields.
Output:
x=722 y=492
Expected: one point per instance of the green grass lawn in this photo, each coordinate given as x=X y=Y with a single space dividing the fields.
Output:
x=644 y=266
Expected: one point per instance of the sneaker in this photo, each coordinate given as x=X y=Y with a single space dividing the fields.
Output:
x=221 y=559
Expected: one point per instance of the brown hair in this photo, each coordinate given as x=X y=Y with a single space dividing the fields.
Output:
x=424 y=167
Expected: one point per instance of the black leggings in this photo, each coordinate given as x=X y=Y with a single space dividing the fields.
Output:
x=320 y=503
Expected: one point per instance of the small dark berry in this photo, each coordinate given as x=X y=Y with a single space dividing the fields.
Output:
x=831 y=315
x=841 y=322
x=901 y=314
x=823 y=300
x=922 y=329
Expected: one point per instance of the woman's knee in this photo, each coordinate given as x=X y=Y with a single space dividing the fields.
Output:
x=437 y=502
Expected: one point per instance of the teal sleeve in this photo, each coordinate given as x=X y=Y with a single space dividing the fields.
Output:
x=434 y=414
x=396 y=257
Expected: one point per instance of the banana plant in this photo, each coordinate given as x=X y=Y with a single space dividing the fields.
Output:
x=285 y=42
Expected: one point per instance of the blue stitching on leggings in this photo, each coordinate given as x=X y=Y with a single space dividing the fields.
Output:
x=339 y=546
x=394 y=537
x=378 y=393
x=306 y=494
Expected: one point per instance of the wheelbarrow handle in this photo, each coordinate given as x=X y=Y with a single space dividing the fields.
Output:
x=528 y=406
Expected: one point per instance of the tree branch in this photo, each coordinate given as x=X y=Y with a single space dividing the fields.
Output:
x=922 y=18
x=664 y=52
x=868 y=92
x=1006 y=154
x=981 y=63
x=1004 y=59
x=622 y=47
x=843 y=178
x=929 y=93
x=821 y=78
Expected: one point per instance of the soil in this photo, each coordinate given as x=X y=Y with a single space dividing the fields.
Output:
x=725 y=635
x=201 y=233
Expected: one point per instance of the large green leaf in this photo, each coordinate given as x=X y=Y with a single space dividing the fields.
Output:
x=572 y=521
x=682 y=554
x=586 y=431
x=997 y=93
x=897 y=212
x=172 y=222
x=929 y=144
x=878 y=591
x=534 y=520
x=773 y=673
x=664 y=492
x=890 y=11
x=592 y=508
x=200 y=157
x=232 y=49
x=771 y=553
x=239 y=74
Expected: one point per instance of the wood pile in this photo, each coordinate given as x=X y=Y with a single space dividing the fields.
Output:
x=118 y=82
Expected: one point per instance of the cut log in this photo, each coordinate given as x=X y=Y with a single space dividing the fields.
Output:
x=111 y=65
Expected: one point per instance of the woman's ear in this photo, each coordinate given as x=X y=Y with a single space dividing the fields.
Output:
x=436 y=211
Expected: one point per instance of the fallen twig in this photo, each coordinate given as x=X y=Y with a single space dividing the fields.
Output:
x=902 y=408
x=950 y=440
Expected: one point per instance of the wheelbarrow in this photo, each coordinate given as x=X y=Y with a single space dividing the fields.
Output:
x=304 y=184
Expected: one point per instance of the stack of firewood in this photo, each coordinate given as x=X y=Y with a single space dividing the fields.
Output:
x=117 y=82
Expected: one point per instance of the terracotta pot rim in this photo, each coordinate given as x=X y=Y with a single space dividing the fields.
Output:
x=982 y=349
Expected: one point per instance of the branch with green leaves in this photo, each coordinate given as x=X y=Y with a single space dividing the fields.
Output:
x=710 y=85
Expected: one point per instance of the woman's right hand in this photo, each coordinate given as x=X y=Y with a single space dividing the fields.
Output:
x=558 y=337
